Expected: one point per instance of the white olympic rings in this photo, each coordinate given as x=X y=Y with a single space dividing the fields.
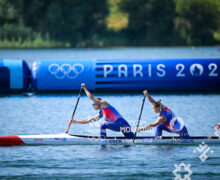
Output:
x=68 y=70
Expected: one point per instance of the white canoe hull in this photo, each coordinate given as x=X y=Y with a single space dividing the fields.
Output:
x=66 y=139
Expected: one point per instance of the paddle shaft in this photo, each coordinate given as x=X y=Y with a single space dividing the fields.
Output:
x=74 y=111
x=142 y=106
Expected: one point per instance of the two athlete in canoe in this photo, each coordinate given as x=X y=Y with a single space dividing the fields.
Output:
x=167 y=121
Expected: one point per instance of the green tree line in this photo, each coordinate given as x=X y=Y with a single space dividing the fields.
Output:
x=104 y=23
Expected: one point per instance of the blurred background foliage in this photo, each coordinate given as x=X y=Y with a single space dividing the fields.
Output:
x=107 y=23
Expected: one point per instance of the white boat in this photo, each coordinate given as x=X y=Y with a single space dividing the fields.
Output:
x=68 y=139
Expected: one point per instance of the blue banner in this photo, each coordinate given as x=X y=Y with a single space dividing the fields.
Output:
x=127 y=75
x=158 y=74
x=62 y=75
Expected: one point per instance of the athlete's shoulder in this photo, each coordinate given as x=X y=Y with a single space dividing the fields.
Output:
x=165 y=111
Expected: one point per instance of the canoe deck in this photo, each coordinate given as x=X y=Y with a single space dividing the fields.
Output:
x=71 y=139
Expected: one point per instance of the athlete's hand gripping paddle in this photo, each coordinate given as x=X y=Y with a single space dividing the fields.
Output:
x=74 y=111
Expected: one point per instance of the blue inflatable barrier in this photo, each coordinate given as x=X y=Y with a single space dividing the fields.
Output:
x=127 y=75
x=62 y=75
x=14 y=75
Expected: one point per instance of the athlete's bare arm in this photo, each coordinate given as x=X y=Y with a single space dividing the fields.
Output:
x=157 y=122
x=88 y=120
x=103 y=104
x=151 y=100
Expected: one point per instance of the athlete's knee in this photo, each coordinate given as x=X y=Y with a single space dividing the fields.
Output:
x=159 y=127
x=103 y=126
x=158 y=132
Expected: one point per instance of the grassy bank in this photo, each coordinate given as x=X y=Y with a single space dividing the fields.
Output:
x=35 y=43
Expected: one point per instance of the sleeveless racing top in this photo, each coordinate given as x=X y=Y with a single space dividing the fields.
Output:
x=173 y=123
x=110 y=113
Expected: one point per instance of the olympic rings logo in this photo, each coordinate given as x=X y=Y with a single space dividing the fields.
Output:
x=66 y=70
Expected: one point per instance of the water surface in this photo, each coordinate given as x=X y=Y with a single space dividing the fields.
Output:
x=50 y=113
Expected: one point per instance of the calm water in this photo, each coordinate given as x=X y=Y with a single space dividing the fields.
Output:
x=49 y=114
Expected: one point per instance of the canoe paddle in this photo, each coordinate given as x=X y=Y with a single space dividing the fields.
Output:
x=139 y=118
x=74 y=111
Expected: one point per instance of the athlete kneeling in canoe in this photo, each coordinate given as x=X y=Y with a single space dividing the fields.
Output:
x=114 y=121
x=166 y=121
